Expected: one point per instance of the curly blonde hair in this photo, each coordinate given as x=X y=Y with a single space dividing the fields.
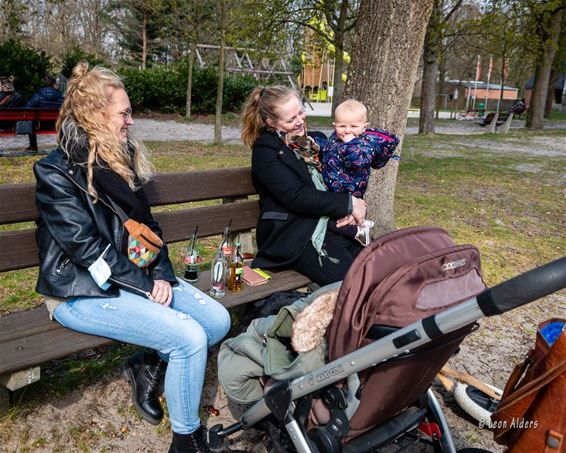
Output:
x=261 y=105
x=87 y=97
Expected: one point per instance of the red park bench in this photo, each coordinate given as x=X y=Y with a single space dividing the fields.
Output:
x=43 y=119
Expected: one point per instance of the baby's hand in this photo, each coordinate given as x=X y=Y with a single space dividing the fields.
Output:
x=348 y=220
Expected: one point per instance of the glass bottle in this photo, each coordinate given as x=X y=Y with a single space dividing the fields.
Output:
x=226 y=245
x=236 y=269
x=218 y=274
x=192 y=260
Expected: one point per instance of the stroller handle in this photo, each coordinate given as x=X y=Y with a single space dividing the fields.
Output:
x=524 y=288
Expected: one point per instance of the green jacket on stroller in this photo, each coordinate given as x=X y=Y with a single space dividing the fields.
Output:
x=264 y=349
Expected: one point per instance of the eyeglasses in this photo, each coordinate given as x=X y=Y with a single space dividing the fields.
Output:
x=126 y=114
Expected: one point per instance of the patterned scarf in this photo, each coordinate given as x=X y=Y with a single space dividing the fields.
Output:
x=304 y=147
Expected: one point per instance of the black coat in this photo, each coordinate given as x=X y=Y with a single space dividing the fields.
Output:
x=73 y=231
x=289 y=201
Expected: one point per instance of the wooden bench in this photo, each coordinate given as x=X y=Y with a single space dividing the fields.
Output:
x=29 y=338
x=43 y=119
x=488 y=119
x=494 y=120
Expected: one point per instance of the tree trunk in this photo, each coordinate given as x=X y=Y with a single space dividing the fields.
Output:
x=339 y=34
x=382 y=74
x=502 y=78
x=550 y=93
x=430 y=71
x=338 y=83
x=144 y=41
x=190 y=79
x=543 y=66
x=428 y=92
x=220 y=91
x=442 y=100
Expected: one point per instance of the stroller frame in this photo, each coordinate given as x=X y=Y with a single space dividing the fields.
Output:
x=280 y=400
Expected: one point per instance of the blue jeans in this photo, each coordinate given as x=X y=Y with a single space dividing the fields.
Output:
x=181 y=333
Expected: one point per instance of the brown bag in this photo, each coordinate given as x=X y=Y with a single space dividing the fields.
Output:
x=531 y=416
x=143 y=244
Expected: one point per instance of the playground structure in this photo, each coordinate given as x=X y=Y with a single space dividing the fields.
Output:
x=246 y=61
x=314 y=82
x=317 y=75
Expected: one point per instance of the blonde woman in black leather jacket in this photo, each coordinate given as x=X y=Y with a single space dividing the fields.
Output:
x=89 y=283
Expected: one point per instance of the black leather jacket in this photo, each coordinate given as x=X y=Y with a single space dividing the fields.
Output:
x=73 y=231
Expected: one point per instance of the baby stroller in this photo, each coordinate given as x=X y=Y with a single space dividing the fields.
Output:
x=405 y=305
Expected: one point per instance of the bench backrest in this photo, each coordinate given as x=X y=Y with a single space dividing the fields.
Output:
x=230 y=185
x=28 y=114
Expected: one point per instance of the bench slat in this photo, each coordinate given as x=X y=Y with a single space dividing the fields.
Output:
x=19 y=248
x=29 y=337
x=28 y=114
x=170 y=188
x=179 y=225
x=18 y=200
x=17 y=203
x=28 y=322
x=28 y=351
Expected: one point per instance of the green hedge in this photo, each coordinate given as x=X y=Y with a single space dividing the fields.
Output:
x=27 y=65
x=163 y=88
x=159 y=88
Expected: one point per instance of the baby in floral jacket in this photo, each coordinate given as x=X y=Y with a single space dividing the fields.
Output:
x=353 y=149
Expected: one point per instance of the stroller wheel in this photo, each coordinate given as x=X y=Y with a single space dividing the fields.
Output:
x=323 y=440
x=476 y=403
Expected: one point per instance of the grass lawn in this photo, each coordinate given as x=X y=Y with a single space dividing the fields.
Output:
x=509 y=204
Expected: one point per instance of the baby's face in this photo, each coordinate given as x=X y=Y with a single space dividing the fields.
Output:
x=349 y=125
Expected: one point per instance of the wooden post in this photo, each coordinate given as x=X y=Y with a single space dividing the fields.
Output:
x=4 y=400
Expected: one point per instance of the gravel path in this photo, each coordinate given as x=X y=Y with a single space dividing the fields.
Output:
x=143 y=129
x=159 y=130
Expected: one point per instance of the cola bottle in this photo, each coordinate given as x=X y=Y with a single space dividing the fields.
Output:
x=192 y=270
x=192 y=259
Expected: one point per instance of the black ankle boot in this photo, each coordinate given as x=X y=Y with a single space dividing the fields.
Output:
x=190 y=443
x=145 y=372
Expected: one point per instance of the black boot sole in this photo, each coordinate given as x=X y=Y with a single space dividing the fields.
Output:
x=131 y=379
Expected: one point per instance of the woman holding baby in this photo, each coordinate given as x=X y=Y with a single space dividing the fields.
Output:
x=296 y=209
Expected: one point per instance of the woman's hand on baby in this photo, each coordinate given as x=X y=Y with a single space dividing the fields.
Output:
x=358 y=210
x=348 y=220
x=162 y=293
x=357 y=216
